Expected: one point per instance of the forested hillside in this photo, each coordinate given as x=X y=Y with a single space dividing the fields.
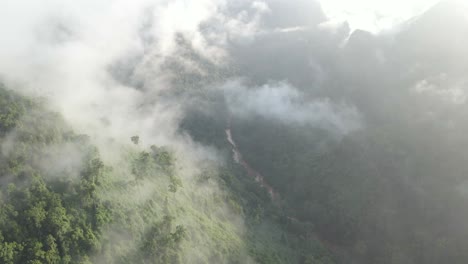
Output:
x=61 y=203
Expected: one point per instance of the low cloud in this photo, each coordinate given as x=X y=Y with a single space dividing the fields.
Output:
x=441 y=89
x=286 y=104
x=373 y=16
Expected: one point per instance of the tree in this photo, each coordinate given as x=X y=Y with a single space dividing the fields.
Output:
x=135 y=139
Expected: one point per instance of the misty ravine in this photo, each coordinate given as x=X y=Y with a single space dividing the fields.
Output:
x=260 y=179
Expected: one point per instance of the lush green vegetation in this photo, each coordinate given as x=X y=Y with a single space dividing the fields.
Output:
x=61 y=203
x=45 y=217
x=385 y=195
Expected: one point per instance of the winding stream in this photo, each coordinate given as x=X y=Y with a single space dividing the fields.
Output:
x=237 y=156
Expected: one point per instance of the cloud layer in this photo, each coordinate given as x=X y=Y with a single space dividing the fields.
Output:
x=286 y=104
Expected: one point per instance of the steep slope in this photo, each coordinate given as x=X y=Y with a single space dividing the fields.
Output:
x=62 y=203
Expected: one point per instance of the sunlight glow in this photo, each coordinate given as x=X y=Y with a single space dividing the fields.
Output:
x=374 y=15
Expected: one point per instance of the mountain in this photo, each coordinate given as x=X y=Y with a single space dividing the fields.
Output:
x=231 y=132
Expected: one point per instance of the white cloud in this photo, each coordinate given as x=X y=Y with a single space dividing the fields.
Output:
x=373 y=15
x=439 y=89
x=286 y=104
x=62 y=49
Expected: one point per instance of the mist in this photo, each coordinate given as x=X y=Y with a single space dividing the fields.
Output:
x=287 y=105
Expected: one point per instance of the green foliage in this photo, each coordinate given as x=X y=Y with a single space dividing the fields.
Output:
x=95 y=213
x=54 y=214
x=160 y=245
x=384 y=195
x=164 y=158
x=12 y=107
x=45 y=219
